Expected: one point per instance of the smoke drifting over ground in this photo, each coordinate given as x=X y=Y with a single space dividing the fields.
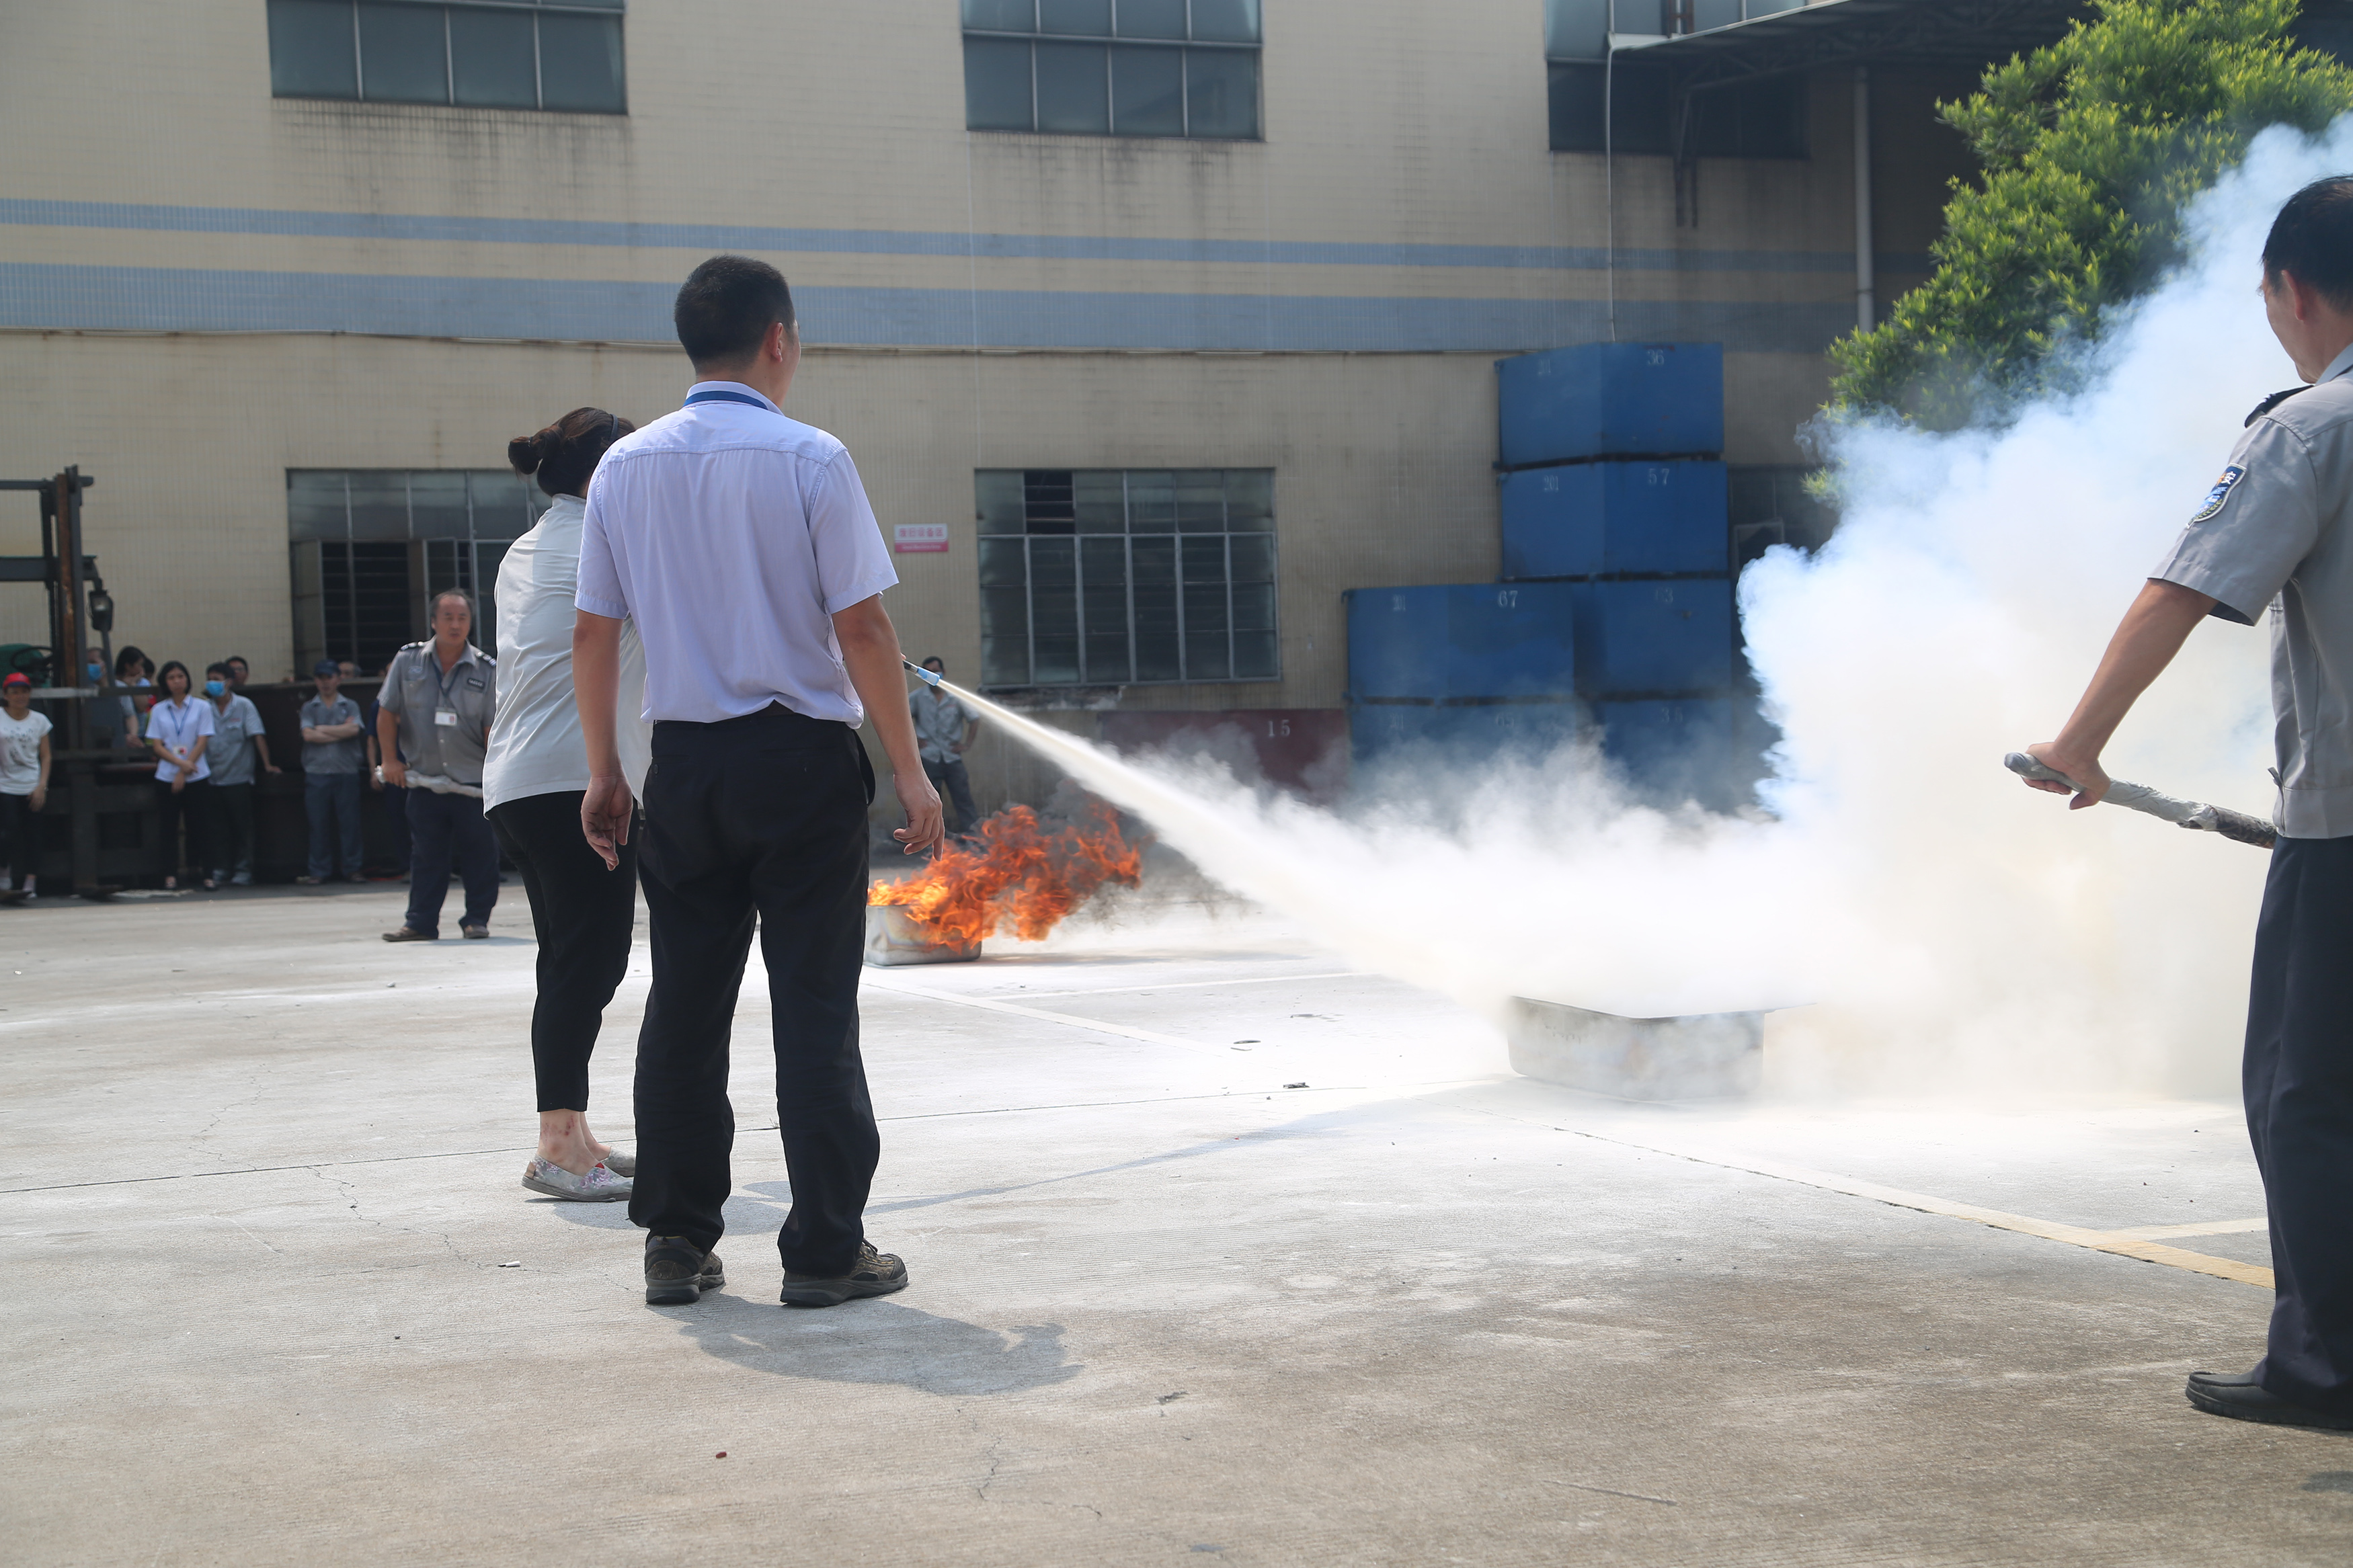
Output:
x=1953 y=931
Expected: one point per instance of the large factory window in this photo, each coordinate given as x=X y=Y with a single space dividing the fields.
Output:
x=504 y=54
x=1763 y=119
x=1112 y=68
x=1126 y=577
x=372 y=546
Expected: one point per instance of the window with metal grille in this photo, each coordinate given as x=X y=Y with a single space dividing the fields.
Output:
x=372 y=546
x=1112 y=68
x=1126 y=577
x=1589 y=83
x=562 y=54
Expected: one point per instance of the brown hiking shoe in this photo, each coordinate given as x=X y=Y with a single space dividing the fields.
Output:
x=875 y=1274
x=678 y=1272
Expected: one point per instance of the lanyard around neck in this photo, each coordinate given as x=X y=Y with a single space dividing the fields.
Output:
x=719 y=394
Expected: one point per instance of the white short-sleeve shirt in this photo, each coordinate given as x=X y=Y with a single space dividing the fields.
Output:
x=177 y=725
x=20 y=751
x=536 y=746
x=732 y=535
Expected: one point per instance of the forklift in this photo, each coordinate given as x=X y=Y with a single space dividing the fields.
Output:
x=81 y=617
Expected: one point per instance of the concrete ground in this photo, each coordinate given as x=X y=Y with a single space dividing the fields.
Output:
x=1218 y=1252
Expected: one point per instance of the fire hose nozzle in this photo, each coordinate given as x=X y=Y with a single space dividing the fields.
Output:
x=926 y=675
x=2196 y=815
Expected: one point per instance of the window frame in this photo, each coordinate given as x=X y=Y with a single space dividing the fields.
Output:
x=614 y=10
x=471 y=561
x=1115 y=39
x=1176 y=534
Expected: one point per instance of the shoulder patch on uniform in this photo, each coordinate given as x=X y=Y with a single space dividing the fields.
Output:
x=2219 y=495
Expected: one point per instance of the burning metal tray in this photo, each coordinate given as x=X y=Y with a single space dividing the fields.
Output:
x=1700 y=1055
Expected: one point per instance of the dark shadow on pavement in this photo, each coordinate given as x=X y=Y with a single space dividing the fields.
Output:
x=876 y=1342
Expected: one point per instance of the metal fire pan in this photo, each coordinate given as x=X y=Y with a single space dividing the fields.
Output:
x=1702 y=1055
x=893 y=939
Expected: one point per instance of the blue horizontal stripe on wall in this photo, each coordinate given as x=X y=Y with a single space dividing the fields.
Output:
x=897 y=242
x=101 y=299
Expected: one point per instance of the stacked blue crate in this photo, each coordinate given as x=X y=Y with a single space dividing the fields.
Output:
x=1473 y=669
x=1612 y=485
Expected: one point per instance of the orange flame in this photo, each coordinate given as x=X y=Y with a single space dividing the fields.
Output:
x=1024 y=878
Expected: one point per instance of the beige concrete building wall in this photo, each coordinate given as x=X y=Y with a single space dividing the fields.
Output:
x=202 y=286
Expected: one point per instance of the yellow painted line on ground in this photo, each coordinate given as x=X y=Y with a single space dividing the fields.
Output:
x=2124 y=1246
x=2213 y=1227
x=2122 y=1243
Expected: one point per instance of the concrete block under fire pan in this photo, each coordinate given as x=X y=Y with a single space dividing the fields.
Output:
x=893 y=939
x=1702 y=1056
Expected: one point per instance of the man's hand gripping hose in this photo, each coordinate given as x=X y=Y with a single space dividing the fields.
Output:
x=2189 y=813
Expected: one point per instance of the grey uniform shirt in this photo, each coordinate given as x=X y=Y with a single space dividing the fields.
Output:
x=231 y=750
x=420 y=694
x=332 y=756
x=2277 y=529
x=939 y=723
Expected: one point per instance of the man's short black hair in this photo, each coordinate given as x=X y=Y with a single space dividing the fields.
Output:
x=935 y=658
x=2312 y=240
x=725 y=309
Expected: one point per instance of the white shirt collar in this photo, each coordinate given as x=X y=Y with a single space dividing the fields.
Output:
x=2338 y=366
x=733 y=386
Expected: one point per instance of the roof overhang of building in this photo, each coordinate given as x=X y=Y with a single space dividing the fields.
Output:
x=1830 y=33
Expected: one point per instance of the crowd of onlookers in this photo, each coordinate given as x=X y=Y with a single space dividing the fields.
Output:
x=210 y=752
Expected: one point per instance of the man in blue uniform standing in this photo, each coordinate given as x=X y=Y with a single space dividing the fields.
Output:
x=742 y=544
x=2277 y=529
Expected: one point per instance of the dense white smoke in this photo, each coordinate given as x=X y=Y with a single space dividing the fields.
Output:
x=1952 y=931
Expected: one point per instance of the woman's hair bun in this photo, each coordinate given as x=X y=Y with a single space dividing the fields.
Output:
x=566 y=453
x=526 y=452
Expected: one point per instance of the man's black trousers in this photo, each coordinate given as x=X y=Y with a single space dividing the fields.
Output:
x=763 y=815
x=2299 y=1087
x=584 y=916
x=441 y=826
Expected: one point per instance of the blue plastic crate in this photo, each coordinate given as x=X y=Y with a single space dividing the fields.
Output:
x=1710 y=749
x=1459 y=734
x=1476 y=639
x=1590 y=519
x=1651 y=638
x=1602 y=400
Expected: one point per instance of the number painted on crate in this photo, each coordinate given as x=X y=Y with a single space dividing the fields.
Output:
x=1662 y=476
x=1277 y=728
x=1552 y=481
x=1397 y=602
x=1508 y=598
x=1663 y=594
x=1657 y=356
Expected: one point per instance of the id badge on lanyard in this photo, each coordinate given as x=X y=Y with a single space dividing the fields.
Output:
x=446 y=718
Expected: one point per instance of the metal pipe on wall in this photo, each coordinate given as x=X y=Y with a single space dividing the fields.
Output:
x=1866 y=266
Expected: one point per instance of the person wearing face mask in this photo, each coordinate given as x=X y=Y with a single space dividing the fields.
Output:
x=238 y=744
x=102 y=717
x=132 y=667
x=179 y=729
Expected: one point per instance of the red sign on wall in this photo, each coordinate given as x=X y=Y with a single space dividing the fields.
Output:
x=920 y=538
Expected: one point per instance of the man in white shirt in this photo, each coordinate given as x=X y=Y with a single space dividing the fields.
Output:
x=741 y=545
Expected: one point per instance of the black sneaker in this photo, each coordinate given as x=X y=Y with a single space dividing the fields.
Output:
x=875 y=1274
x=678 y=1272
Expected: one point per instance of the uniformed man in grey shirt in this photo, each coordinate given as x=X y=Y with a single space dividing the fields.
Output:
x=2276 y=531
x=332 y=760
x=433 y=720
x=944 y=726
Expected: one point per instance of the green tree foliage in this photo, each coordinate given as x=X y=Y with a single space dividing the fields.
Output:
x=2088 y=150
